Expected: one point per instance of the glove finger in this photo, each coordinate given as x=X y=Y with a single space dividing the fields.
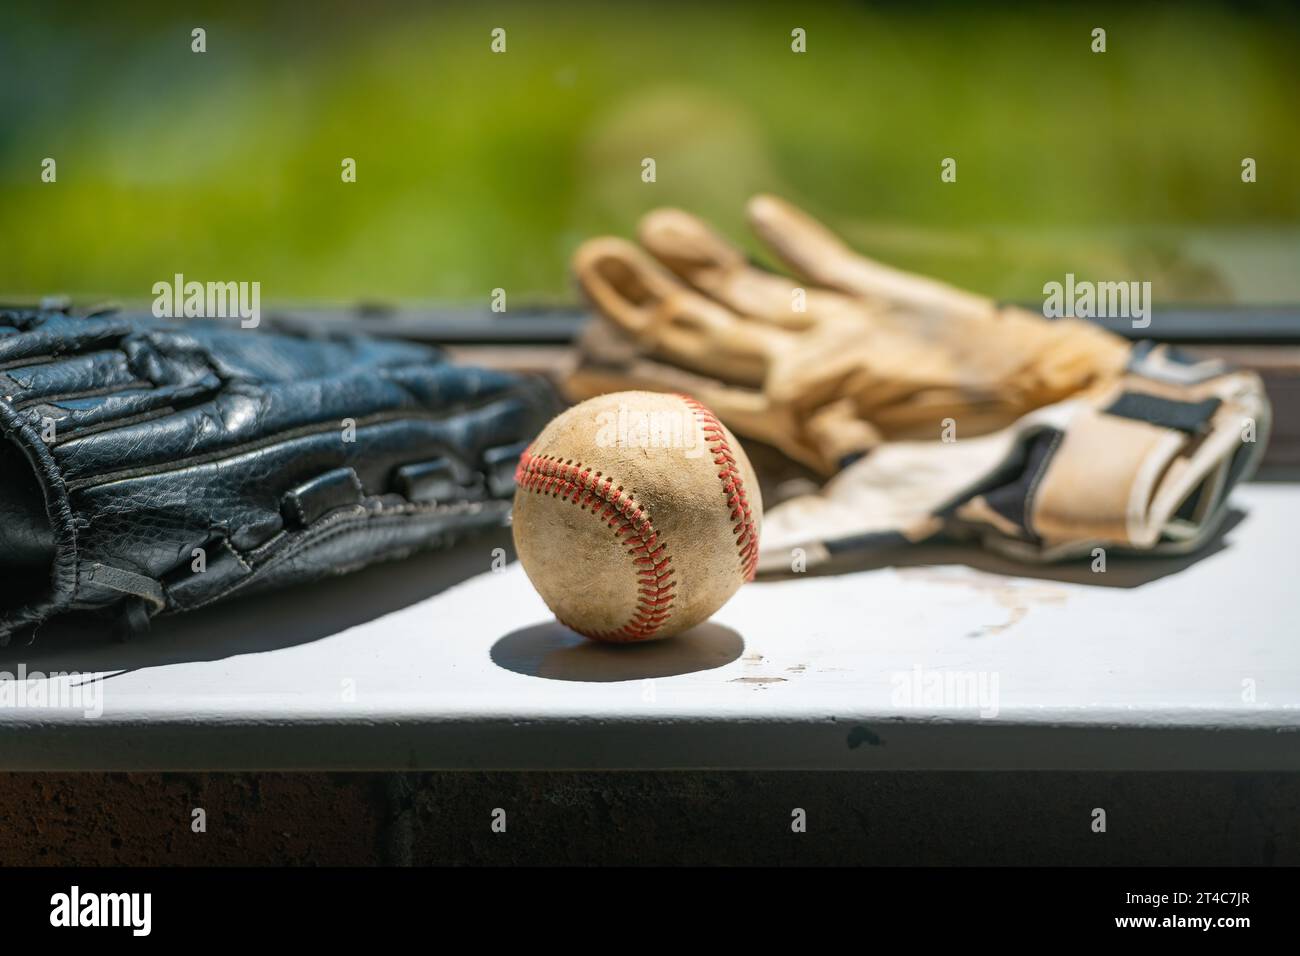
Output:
x=817 y=254
x=872 y=371
x=694 y=251
x=975 y=348
x=609 y=362
x=669 y=320
x=26 y=539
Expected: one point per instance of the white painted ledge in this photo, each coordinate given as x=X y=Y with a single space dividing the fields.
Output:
x=439 y=662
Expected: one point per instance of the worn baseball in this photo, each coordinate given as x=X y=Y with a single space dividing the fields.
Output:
x=636 y=516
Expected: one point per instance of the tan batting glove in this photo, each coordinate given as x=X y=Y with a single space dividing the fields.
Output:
x=825 y=368
x=1145 y=466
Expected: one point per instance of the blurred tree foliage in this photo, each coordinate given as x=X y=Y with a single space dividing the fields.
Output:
x=478 y=170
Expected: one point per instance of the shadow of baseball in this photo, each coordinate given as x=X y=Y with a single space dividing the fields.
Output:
x=552 y=651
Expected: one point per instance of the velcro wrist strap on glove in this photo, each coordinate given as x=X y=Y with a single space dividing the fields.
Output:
x=153 y=466
x=1143 y=467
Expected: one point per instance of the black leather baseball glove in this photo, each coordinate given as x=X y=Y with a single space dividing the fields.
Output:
x=151 y=466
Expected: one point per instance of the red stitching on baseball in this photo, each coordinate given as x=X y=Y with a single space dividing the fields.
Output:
x=733 y=486
x=570 y=481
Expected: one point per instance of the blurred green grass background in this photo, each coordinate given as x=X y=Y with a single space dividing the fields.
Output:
x=478 y=170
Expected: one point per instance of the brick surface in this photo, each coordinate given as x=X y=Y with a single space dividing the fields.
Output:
x=106 y=819
x=649 y=818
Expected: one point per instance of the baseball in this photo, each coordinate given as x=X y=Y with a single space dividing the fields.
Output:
x=636 y=516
